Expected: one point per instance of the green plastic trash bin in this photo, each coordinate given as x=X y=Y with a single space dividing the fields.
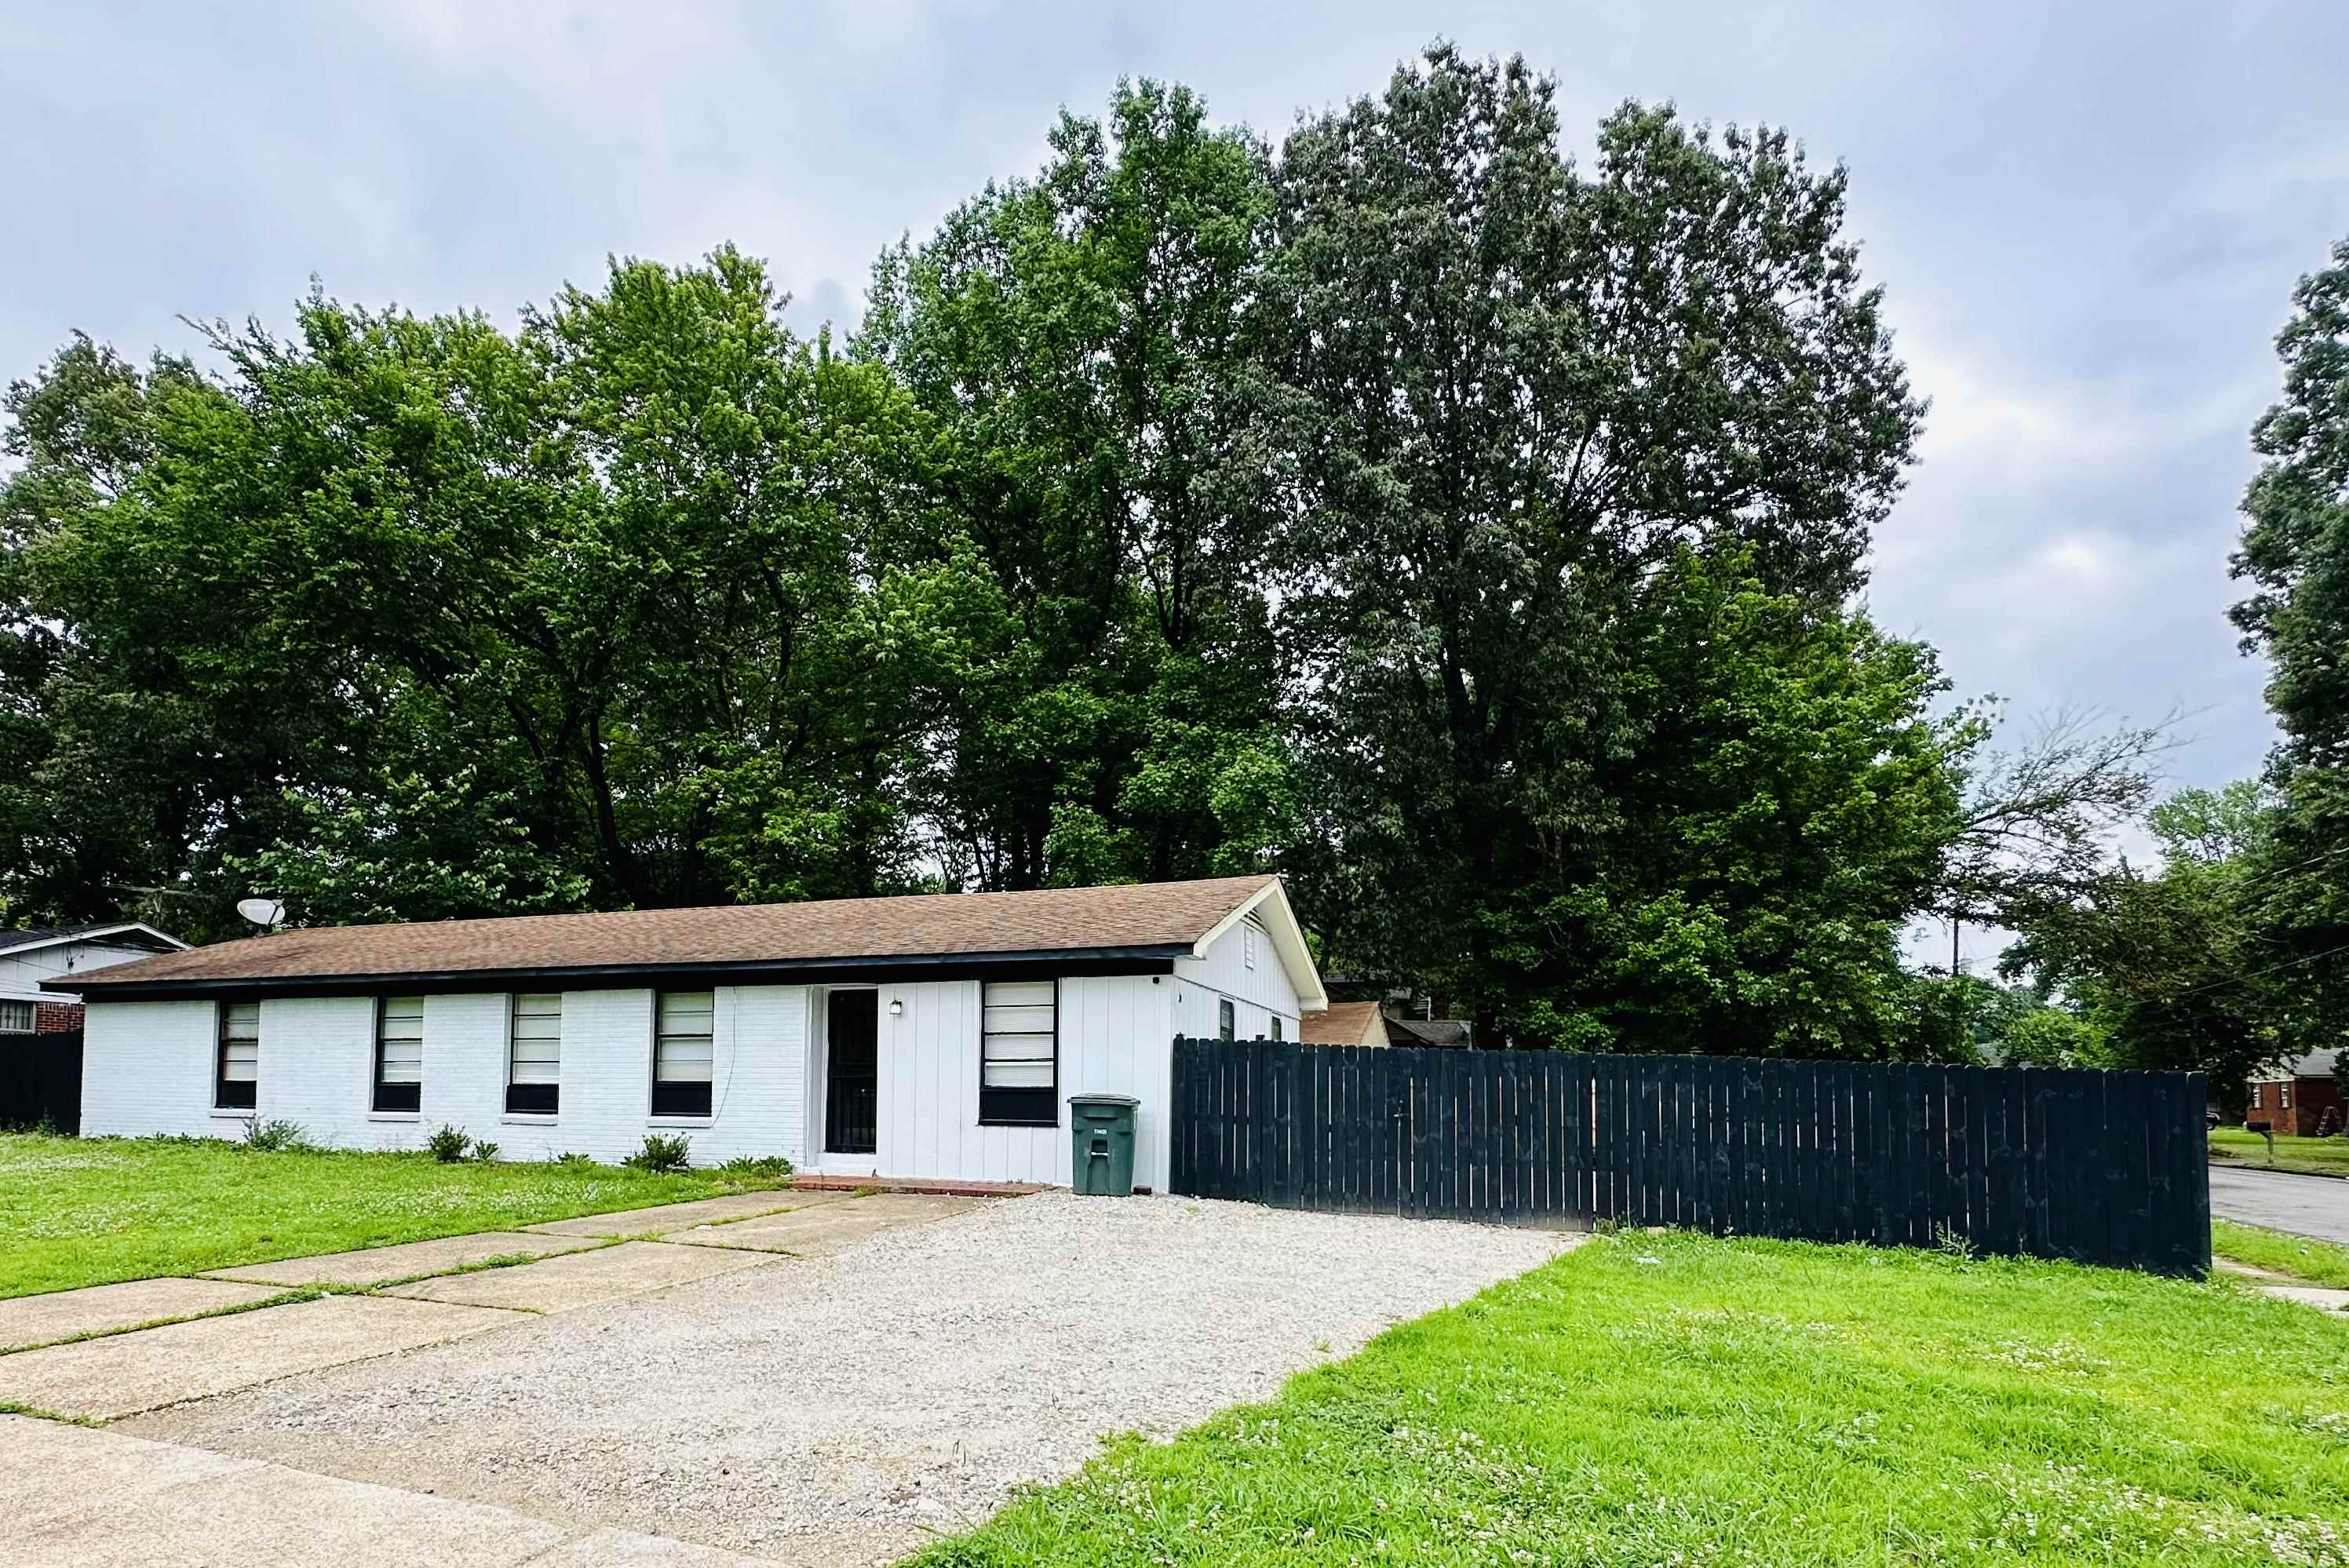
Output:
x=1100 y=1153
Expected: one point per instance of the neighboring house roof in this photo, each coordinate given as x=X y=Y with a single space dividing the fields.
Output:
x=1147 y=921
x=1428 y=1031
x=1344 y=1024
x=2316 y=1065
x=117 y=933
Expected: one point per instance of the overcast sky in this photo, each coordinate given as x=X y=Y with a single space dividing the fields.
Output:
x=2088 y=218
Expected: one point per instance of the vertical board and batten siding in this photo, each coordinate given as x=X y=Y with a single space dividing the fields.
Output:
x=1112 y=1032
x=1258 y=994
x=2098 y=1167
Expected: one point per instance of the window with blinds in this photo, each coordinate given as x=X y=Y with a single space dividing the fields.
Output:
x=682 y=1052
x=534 y=1056
x=398 y=1054
x=238 y=1075
x=1019 y=1053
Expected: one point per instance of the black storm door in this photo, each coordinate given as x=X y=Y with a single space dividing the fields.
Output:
x=852 y=1098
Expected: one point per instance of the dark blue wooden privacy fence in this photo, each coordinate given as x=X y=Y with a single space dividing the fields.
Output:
x=2100 y=1167
x=40 y=1080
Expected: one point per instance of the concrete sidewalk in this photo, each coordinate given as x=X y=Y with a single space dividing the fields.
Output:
x=105 y=1379
x=106 y=1499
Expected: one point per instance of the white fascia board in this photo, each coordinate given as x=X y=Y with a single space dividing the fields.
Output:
x=1269 y=905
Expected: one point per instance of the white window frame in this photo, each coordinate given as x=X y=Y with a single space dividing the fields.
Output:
x=395 y=1076
x=9 y=1011
x=223 y=1041
x=531 y=1004
x=679 y=1089
x=1018 y=1103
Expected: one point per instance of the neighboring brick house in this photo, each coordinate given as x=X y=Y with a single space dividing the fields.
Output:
x=2302 y=1100
x=58 y=952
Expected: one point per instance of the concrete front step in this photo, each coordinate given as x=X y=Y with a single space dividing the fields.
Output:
x=583 y=1279
x=103 y=1379
x=30 y=1320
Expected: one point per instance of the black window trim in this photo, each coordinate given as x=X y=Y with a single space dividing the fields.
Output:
x=379 y=1101
x=1043 y=1106
x=249 y=1097
x=686 y=1100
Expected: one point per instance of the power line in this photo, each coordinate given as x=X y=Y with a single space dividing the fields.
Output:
x=2238 y=979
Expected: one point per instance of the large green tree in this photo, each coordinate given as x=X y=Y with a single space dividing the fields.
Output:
x=1532 y=421
x=2295 y=553
x=1077 y=337
x=2163 y=961
x=644 y=604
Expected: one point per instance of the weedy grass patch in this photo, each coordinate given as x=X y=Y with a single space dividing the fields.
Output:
x=1675 y=1399
x=77 y=1212
x=2318 y=1262
x=2312 y=1156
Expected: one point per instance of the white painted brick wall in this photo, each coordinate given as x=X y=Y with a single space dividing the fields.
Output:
x=149 y=1069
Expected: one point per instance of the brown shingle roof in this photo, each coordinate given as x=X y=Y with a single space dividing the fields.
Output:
x=928 y=926
x=1342 y=1023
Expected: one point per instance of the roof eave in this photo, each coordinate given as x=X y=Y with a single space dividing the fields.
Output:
x=96 y=933
x=1142 y=958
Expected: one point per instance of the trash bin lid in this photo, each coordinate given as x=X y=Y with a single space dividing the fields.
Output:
x=1103 y=1099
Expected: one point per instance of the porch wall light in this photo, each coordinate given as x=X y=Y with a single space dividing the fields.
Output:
x=897 y=1007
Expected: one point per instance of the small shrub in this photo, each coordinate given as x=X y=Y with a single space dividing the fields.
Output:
x=661 y=1155
x=485 y=1151
x=449 y=1144
x=756 y=1168
x=275 y=1136
x=572 y=1159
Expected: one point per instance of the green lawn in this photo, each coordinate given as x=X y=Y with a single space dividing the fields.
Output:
x=2319 y=1263
x=77 y=1212
x=2317 y=1155
x=1676 y=1400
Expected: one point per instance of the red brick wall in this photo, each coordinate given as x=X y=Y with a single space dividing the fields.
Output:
x=56 y=1017
x=2311 y=1097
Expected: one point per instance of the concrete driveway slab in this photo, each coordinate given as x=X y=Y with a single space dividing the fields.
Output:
x=106 y=1500
x=408 y=1260
x=811 y=1232
x=583 y=1279
x=677 y=1216
x=102 y=1379
x=27 y=1320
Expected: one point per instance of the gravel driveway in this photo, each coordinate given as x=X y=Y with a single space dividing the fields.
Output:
x=842 y=1410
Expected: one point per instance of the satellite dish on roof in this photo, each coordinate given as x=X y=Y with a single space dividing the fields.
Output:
x=265 y=912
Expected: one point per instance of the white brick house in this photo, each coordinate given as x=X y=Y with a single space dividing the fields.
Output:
x=930 y=1036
